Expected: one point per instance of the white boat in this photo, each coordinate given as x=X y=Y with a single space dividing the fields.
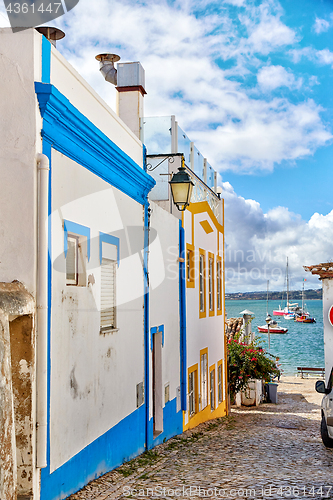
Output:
x=273 y=328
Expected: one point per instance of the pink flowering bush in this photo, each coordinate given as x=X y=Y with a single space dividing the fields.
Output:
x=249 y=361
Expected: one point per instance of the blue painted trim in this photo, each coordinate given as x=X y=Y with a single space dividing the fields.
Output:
x=121 y=443
x=73 y=227
x=182 y=317
x=172 y=422
x=146 y=322
x=46 y=60
x=72 y=134
x=112 y=240
x=153 y=330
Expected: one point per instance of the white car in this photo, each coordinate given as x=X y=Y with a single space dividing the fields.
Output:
x=326 y=411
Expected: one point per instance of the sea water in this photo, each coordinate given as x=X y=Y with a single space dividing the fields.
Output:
x=302 y=345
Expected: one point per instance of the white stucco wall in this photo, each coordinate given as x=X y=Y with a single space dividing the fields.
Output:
x=91 y=372
x=164 y=293
x=19 y=66
x=328 y=327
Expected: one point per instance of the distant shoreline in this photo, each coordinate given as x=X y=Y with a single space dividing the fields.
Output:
x=294 y=296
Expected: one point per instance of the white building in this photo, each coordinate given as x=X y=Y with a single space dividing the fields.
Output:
x=116 y=314
x=325 y=274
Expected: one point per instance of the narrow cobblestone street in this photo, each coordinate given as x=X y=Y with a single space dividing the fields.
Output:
x=268 y=452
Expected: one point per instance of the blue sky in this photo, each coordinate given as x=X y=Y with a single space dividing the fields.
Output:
x=250 y=82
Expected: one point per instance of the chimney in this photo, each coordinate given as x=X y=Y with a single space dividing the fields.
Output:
x=131 y=90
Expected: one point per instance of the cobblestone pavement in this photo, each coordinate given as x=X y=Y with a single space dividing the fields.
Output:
x=267 y=452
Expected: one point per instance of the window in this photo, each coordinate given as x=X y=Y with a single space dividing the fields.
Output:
x=108 y=294
x=218 y=285
x=109 y=259
x=211 y=283
x=202 y=284
x=76 y=260
x=72 y=272
x=190 y=271
x=212 y=389
x=77 y=252
x=192 y=390
x=166 y=393
x=219 y=383
x=203 y=378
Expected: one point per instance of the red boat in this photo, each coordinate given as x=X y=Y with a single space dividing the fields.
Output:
x=273 y=328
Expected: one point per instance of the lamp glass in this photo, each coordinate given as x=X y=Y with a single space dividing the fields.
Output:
x=181 y=189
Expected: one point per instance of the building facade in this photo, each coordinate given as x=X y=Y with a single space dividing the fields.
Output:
x=112 y=303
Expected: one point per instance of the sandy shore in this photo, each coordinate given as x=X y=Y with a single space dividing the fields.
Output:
x=303 y=386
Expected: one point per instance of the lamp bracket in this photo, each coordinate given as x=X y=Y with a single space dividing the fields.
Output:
x=171 y=159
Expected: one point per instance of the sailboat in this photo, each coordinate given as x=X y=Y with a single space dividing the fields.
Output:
x=291 y=309
x=273 y=326
x=305 y=316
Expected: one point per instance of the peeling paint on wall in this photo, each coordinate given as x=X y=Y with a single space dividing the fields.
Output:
x=8 y=489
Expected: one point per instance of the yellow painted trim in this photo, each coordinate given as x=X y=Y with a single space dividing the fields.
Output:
x=203 y=206
x=206 y=226
x=190 y=283
x=226 y=382
x=219 y=311
x=212 y=368
x=202 y=352
x=220 y=364
x=193 y=368
x=202 y=314
x=218 y=243
x=192 y=218
x=206 y=415
x=211 y=311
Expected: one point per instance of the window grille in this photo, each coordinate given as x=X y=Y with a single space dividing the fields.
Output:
x=218 y=284
x=203 y=373
x=212 y=390
x=191 y=393
x=202 y=283
x=211 y=287
x=219 y=383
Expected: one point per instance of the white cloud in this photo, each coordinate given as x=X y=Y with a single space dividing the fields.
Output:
x=179 y=51
x=272 y=77
x=321 y=25
x=257 y=244
x=324 y=56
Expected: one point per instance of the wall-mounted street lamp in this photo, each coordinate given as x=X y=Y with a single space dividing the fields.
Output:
x=268 y=321
x=181 y=188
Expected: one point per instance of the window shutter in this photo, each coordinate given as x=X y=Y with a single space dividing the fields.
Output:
x=108 y=294
x=72 y=261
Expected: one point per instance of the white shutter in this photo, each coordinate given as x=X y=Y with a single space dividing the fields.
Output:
x=108 y=294
x=72 y=261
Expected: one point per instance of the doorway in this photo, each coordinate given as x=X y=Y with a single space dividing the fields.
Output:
x=157 y=384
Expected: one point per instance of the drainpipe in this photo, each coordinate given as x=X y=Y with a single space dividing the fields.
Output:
x=42 y=307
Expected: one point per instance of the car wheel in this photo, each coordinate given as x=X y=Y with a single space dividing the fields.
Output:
x=328 y=442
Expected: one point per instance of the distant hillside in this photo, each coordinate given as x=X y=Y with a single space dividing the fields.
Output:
x=294 y=295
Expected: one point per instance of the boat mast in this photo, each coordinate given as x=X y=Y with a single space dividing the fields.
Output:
x=287 y=287
x=303 y=299
x=267 y=298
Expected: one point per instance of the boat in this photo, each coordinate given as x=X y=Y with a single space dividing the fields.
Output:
x=291 y=308
x=304 y=318
x=273 y=328
x=289 y=315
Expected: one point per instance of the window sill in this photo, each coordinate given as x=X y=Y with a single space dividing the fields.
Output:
x=108 y=329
